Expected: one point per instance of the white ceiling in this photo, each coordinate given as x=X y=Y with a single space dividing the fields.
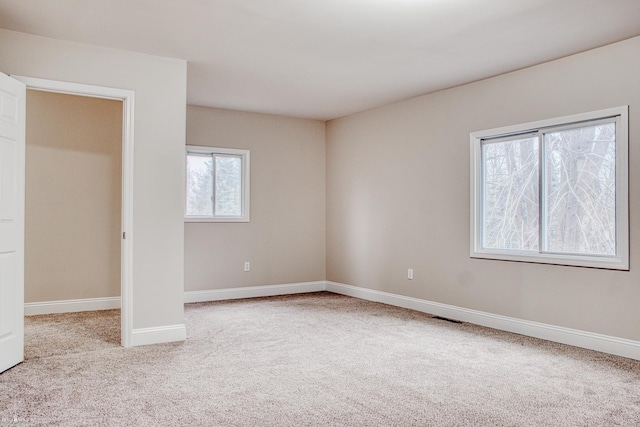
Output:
x=324 y=59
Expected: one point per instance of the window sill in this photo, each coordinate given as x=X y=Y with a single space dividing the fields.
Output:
x=609 y=263
x=207 y=219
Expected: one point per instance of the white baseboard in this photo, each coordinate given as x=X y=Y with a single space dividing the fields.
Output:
x=253 y=292
x=143 y=336
x=158 y=335
x=71 y=306
x=604 y=343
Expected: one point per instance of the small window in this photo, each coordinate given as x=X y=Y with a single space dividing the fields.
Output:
x=217 y=185
x=553 y=191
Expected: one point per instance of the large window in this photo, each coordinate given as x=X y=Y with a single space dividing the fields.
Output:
x=553 y=191
x=217 y=185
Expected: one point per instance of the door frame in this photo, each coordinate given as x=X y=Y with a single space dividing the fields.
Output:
x=126 y=252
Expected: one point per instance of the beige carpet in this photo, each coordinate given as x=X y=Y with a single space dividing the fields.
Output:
x=311 y=360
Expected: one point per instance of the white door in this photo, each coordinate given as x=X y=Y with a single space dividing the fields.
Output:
x=12 y=123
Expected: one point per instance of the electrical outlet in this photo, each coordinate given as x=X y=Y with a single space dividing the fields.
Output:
x=410 y=274
x=247 y=266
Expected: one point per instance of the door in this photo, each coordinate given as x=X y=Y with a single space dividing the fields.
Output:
x=12 y=167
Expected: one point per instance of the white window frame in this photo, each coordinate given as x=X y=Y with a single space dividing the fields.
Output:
x=620 y=261
x=246 y=174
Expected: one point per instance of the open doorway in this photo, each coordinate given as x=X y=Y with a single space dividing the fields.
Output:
x=73 y=204
x=123 y=99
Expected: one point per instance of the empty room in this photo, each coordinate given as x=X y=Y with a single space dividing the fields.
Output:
x=337 y=213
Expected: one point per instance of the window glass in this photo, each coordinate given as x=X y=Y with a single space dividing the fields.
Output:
x=199 y=185
x=580 y=190
x=510 y=194
x=228 y=196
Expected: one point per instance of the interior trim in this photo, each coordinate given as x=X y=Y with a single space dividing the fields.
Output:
x=588 y=340
x=592 y=341
x=71 y=306
x=158 y=334
x=253 y=292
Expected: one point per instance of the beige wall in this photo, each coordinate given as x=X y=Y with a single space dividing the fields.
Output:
x=285 y=240
x=159 y=132
x=73 y=197
x=398 y=196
